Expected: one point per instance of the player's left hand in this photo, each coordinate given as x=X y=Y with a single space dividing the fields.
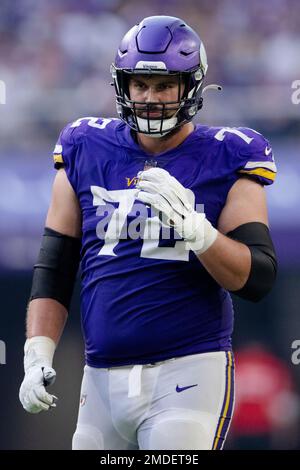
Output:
x=170 y=199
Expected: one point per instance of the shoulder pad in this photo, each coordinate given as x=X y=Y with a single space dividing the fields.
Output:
x=251 y=152
x=90 y=125
x=257 y=159
x=76 y=132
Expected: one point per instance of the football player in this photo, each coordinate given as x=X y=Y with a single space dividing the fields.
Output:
x=167 y=218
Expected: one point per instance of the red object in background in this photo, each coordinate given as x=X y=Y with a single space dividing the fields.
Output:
x=265 y=398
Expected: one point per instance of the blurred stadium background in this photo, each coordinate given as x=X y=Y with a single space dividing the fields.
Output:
x=54 y=60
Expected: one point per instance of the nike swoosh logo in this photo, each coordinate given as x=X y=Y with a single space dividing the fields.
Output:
x=268 y=150
x=181 y=389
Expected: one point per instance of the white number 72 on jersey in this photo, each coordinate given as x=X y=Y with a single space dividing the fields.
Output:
x=117 y=217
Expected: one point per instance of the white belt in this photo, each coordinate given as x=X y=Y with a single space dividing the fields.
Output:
x=135 y=381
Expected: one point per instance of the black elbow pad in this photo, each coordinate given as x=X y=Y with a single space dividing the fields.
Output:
x=56 y=268
x=263 y=270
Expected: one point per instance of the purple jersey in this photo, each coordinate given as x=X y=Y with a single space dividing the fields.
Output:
x=148 y=298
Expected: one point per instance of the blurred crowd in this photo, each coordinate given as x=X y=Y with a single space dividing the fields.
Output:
x=55 y=57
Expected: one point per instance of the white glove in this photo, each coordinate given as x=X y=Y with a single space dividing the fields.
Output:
x=39 y=351
x=171 y=200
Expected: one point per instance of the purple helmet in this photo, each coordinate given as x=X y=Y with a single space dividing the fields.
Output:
x=161 y=45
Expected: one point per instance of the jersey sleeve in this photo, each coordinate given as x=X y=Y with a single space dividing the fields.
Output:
x=64 y=148
x=66 y=152
x=57 y=155
x=256 y=159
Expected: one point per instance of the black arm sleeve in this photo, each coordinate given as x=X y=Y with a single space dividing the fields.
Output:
x=263 y=270
x=56 y=268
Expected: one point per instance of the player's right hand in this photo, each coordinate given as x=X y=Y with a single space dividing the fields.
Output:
x=33 y=394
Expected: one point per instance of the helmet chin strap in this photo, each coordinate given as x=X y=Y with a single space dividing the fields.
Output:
x=155 y=126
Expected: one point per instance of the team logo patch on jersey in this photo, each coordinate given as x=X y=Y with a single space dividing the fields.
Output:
x=131 y=181
x=83 y=399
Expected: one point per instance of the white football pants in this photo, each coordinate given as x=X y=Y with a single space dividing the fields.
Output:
x=181 y=403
